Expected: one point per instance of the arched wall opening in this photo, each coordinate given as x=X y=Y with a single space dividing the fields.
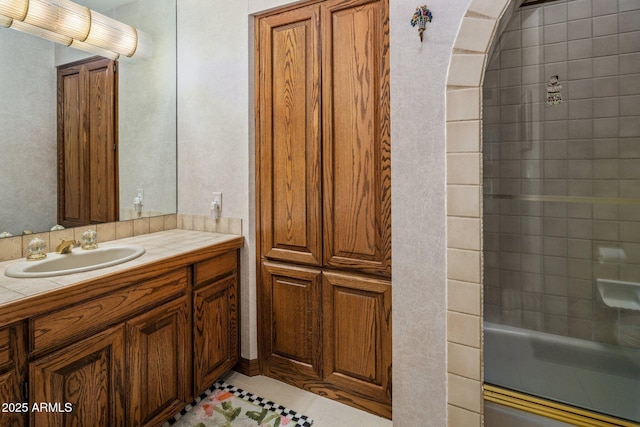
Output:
x=558 y=187
x=471 y=49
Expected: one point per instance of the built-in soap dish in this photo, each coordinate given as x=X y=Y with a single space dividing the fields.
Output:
x=619 y=294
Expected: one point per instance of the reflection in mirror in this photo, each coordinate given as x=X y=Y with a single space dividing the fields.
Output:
x=146 y=117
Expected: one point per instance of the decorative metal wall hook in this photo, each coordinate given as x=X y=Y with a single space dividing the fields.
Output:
x=420 y=18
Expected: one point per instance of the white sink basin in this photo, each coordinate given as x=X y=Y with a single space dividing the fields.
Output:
x=77 y=261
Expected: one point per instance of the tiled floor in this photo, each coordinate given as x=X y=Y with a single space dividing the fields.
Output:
x=325 y=412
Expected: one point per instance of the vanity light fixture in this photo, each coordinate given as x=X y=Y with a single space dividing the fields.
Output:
x=15 y=9
x=5 y=21
x=71 y=24
x=109 y=54
x=40 y=32
x=58 y=38
x=60 y=16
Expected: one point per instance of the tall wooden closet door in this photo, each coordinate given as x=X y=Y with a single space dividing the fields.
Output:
x=289 y=181
x=356 y=135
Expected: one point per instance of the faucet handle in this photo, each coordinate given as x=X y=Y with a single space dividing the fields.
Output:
x=90 y=239
x=36 y=249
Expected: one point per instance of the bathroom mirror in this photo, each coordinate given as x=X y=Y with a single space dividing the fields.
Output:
x=146 y=149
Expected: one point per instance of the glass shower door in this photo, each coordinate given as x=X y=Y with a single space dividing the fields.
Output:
x=561 y=154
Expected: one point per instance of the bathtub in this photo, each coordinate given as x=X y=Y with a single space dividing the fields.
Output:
x=598 y=377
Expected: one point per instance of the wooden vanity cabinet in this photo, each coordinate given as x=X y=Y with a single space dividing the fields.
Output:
x=12 y=374
x=133 y=356
x=159 y=359
x=89 y=375
x=134 y=372
x=92 y=377
x=215 y=319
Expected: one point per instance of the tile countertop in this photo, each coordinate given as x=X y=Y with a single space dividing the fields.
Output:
x=17 y=294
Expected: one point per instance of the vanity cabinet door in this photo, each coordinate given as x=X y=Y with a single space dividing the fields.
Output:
x=215 y=319
x=158 y=349
x=12 y=372
x=83 y=384
x=215 y=331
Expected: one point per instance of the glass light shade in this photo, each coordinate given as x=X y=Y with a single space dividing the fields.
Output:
x=40 y=32
x=113 y=35
x=95 y=50
x=15 y=9
x=68 y=23
x=61 y=16
x=144 y=47
x=5 y=21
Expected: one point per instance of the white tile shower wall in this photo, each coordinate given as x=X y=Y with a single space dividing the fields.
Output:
x=541 y=258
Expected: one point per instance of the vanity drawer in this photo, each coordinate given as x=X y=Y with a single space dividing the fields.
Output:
x=89 y=317
x=215 y=268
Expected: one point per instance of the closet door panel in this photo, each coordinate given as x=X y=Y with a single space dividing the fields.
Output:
x=87 y=141
x=356 y=139
x=71 y=152
x=102 y=186
x=357 y=337
x=292 y=323
x=289 y=148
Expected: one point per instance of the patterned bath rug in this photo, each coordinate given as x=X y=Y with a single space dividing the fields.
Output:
x=223 y=405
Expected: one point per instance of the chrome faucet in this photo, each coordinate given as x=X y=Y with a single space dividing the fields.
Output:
x=66 y=246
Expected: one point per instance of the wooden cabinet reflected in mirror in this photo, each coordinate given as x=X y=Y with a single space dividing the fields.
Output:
x=145 y=123
x=87 y=142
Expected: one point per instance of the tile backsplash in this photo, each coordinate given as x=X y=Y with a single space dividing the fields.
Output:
x=16 y=247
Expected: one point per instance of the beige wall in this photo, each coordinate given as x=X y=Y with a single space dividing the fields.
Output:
x=418 y=79
x=28 y=133
x=147 y=107
x=214 y=146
